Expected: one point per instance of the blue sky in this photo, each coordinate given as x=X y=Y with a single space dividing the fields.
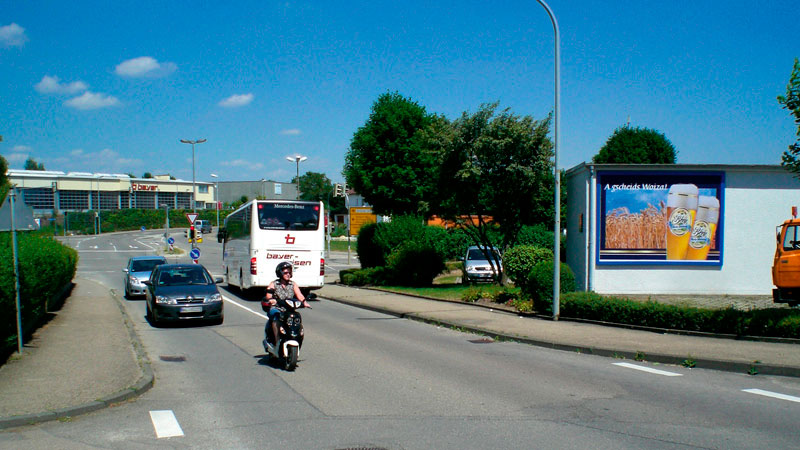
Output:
x=112 y=87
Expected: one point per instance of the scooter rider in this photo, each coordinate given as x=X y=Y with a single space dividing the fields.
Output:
x=284 y=289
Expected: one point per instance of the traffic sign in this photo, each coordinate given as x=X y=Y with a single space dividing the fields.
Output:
x=171 y=240
x=195 y=254
x=192 y=217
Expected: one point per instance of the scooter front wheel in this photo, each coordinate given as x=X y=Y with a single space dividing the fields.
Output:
x=291 y=357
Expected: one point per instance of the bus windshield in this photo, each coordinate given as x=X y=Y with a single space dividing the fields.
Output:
x=288 y=216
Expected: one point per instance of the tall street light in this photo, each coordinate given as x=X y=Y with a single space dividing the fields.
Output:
x=198 y=141
x=216 y=197
x=297 y=159
x=557 y=122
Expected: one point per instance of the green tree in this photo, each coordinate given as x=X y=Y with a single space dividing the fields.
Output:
x=386 y=163
x=495 y=169
x=314 y=186
x=147 y=175
x=636 y=146
x=318 y=187
x=31 y=164
x=791 y=101
x=4 y=185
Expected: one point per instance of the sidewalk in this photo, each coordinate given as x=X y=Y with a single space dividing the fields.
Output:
x=86 y=358
x=89 y=350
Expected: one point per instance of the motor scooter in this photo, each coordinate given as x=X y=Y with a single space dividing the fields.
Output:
x=290 y=331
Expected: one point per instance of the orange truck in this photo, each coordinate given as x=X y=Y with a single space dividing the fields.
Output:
x=786 y=264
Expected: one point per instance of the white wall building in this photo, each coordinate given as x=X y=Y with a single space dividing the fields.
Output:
x=617 y=220
x=49 y=192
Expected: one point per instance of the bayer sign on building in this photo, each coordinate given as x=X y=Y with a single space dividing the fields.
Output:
x=676 y=229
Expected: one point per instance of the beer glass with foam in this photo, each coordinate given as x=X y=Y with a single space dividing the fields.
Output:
x=704 y=228
x=681 y=211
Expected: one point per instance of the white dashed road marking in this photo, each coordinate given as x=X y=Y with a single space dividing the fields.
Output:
x=649 y=370
x=772 y=394
x=165 y=424
x=231 y=301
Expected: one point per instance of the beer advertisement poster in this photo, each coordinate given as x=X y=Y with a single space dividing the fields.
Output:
x=660 y=218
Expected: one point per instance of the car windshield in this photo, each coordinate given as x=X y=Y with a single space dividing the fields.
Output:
x=145 y=265
x=288 y=216
x=184 y=276
x=476 y=254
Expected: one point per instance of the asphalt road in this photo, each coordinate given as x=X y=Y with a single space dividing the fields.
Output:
x=367 y=380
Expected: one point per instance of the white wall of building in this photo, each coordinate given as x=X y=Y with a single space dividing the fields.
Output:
x=756 y=200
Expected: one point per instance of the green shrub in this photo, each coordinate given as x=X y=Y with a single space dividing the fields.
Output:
x=375 y=276
x=541 y=236
x=777 y=322
x=415 y=264
x=789 y=327
x=518 y=261
x=505 y=295
x=472 y=295
x=45 y=268
x=539 y=286
x=370 y=252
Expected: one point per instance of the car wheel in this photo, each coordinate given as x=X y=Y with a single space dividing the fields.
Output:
x=127 y=294
x=151 y=317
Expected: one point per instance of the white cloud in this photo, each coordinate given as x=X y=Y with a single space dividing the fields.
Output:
x=52 y=85
x=12 y=36
x=91 y=100
x=243 y=163
x=235 y=101
x=105 y=160
x=291 y=132
x=144 y=66
x=19 y=156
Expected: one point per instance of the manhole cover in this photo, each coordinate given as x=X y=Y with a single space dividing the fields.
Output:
x=482 y=341
x=173 y=358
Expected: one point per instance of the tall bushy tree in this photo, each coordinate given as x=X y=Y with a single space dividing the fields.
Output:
x=31 y=164
x=386 y=163
x=318 y=187
x=495 y=169
x=636 y=146
x=791 y=101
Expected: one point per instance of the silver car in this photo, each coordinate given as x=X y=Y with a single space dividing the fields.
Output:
x=137 y=271
x=477 y=267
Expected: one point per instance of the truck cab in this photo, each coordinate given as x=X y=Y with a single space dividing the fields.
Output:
x=786 y=264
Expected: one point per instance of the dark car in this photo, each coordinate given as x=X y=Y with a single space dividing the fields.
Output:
x=181 y=292
x=138 y=271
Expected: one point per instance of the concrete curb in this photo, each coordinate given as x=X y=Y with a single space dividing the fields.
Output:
x=141 y=386
x=727 y=366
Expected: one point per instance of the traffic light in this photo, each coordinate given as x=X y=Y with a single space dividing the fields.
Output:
x=337 y=190
x=191 y=232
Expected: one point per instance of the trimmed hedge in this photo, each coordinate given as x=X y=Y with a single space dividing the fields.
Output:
x=776 y=322
x=133 y=219
x=45 y=268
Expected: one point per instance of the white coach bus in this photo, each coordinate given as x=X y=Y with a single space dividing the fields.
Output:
x=263 y=233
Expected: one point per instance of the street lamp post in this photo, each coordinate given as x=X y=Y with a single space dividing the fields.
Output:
x=557 y=135
x=297 y=159
x=197 y=141
x=216 y=197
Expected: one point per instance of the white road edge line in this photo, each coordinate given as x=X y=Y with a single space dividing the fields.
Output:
x=165 y=424
x=229 y=300
x=649 y=370
x=772 y=394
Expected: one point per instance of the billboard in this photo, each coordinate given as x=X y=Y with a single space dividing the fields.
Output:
x=673 y=218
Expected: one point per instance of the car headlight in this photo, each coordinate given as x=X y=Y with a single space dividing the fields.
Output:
x=214 y=298
x=165 y=300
